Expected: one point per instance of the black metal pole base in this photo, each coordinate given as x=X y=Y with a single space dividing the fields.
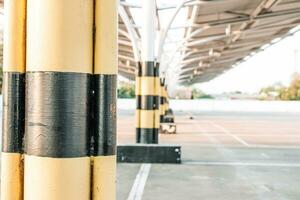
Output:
x=149 y=153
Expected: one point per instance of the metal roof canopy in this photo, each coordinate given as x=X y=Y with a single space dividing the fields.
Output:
x=218 y=34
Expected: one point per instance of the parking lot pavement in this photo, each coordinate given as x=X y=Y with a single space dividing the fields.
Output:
x=225 y=156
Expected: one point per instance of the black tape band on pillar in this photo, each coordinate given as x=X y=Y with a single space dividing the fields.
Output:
x=104 y=114
x=57 y=123
x=157 y=70
x=162 y=106
x=147 y=102
x=147 y=134
x=147 y=69
x=13 y=112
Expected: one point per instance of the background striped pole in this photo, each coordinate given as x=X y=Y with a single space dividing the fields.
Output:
x=105 y=81
x=58 y=93
x=13 y=100
x=167 y=107
x=162 y=100
x=147 y=80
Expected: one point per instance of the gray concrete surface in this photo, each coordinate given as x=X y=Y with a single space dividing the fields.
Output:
x=226 y=156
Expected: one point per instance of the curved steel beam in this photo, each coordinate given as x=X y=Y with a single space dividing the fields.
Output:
x=164 y=31
x=133 y=35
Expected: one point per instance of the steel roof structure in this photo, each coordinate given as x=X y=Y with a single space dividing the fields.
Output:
x=218 y=34
x=128 y=35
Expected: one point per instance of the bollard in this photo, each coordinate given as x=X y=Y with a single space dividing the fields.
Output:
x=13 y=100
x=58 y=95
x=105 y=83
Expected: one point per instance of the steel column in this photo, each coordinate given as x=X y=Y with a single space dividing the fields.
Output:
x=163 y=100
x=147 y=80
x=13 y=100
x=105 y=82
x=58 y=99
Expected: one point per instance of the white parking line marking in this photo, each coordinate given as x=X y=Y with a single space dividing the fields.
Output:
x=224 y=130
x=254 y=164
x=252 y=146
x=137 y=189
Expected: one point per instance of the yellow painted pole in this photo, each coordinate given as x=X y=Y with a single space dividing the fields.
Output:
x=147 y=125
x=58 y=99
x=167 y=99
x=147 y=103
x=13 y=100
x=162 y=101
x=105 y=82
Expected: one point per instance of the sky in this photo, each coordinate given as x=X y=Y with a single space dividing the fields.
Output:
x=275 y=64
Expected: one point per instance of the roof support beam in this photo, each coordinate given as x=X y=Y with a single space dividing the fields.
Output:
x=131 y=31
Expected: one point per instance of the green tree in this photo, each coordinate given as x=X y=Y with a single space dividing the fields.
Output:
x=126 y=90
x=293 y=91
x=198 y=94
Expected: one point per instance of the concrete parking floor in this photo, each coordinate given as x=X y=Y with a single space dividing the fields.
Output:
x=226 y=156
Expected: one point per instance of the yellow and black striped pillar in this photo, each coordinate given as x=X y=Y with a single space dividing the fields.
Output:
x=105 y=78
x=58 y=97
x=147 y=96
x=13 y=100
x=162 y=100
x=147 y=80
x=166 y=106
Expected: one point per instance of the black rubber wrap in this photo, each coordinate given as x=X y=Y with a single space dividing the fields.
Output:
x=147 y=102
x=105 y=114
x=147 y=135
x=149 y=69
x=157 y=69
x=162 y=118
x=162 y=100
x=58 y=107
x=162 y=82
x=13 y=116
